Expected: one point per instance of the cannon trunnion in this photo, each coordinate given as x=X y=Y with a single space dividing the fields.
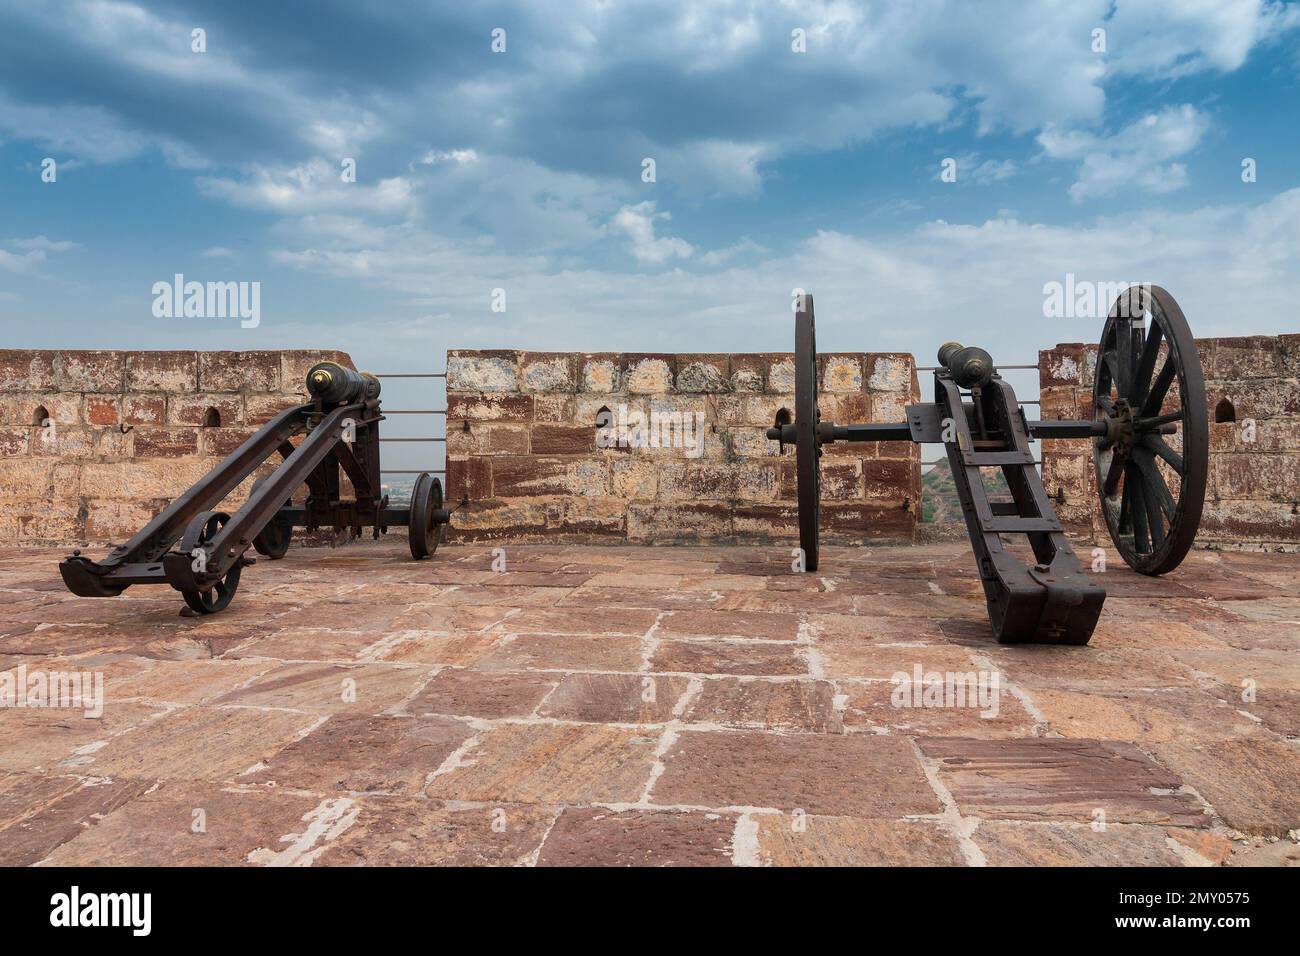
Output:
x=201 y=551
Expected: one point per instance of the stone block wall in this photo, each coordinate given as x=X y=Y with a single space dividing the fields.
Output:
x=522 y=447
x=1253 y=493
x=94 y=443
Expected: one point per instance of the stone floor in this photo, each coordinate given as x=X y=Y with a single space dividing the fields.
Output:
x=623 y=705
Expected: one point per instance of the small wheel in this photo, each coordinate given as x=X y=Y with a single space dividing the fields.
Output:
x=273 y=540
x=807 y=447
x=424 y=529
x=1153 y=462
x=201 y=530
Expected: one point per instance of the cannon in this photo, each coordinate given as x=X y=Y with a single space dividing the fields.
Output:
x=1150 y=452
x=202 y=552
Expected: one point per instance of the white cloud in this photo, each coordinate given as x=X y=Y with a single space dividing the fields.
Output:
x=638 y=224
x=312 y=186
x=1140 y=154
x=35 y=252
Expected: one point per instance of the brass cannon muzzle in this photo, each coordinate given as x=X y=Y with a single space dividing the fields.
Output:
x=970 y=366
x=335 y=384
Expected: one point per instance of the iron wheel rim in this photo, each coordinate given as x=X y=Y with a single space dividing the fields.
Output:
x=218 y=595
x=807 y=447
x=1151 y=523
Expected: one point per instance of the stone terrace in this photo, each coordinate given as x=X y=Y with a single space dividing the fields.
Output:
x=629 y=705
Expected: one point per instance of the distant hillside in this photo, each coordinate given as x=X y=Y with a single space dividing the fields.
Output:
x=939 y=503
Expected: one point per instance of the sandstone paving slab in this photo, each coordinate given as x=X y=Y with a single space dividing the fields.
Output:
x=628 y=622
x=730 y=657
x=1144 y=716
x=1278 y=710
x=1060 y=780
x=1260 y=668
x=1089 y=668
x=488 y=695
x=824 y=774
x=308 y=644
x=562 y=652
x=1059 y=844
x=449 y=617
x=1120 y=633
x=551 y=763
x=750 y=625
x=867 y=628
x=417 y=831
x=488 y=596
x=843 y=658
x=786 y=840
x=457 y=649
x=1251 y=635
x=185 y=823
x=357 y=754
x=803 y=706
x=47 y=739
x=882 y=707
x=599 y=837
x=327 y=688
x=197 y=743
x=1254 y=784
x=616 y=698
x=54 y=814
x=589 y=597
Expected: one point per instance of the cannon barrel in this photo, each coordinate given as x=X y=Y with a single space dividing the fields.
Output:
x=970 y=366
x=334 y=384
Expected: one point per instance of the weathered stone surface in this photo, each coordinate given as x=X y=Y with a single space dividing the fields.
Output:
x=419 y=832
x=785 y=840
x=1053 y=779
x=616 y=698
x=361 y=754
x=728 y=657
x=529 y=763
x=475 y=694
x=183 y=823
x=833 y=775
x=482 y=371
x=595 y=837
x=788 y=705
x=197 y=743
x=1254 y=785
x=38 y=813
x=1060 y=844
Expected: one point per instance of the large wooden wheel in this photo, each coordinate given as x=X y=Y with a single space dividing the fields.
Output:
x=1151 y=465
x=806 y=418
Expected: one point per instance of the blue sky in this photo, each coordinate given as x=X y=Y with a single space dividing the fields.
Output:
x=522 y=170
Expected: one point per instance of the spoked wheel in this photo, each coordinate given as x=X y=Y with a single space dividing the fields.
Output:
x=425 y=529
x=1152 y=464
x=806 y=417
x=273 y=540
x=201 y=530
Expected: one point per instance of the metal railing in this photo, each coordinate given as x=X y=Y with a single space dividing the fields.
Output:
x=413 y=411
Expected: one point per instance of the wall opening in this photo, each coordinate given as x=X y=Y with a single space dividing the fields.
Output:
x=1224 y=412
x=212 y=418
x=40 y=416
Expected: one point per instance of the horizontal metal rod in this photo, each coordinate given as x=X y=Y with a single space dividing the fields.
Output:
x=409 y=374
x=412 y=439
x=940 y=461
x=412 y=471
x=415 y=411
x=935 y=368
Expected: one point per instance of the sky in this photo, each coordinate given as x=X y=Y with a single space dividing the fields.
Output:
x=503 y=146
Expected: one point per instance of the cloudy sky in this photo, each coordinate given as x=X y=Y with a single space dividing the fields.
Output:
x=522 y=170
